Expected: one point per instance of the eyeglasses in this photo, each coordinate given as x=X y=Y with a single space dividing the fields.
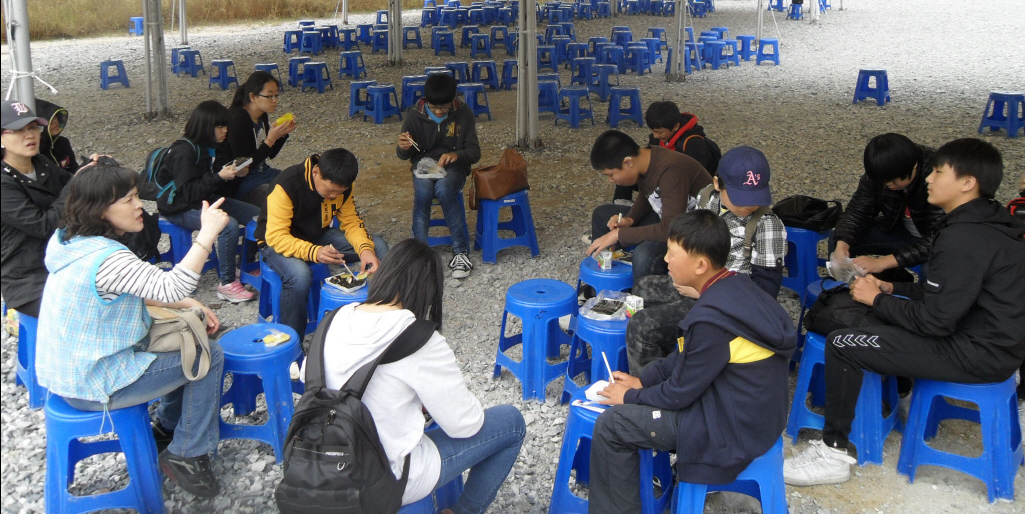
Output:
x=440 y=108
x=272 y=97
x=31 y=127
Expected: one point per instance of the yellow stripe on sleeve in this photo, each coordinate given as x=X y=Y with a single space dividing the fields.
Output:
x=743 y=351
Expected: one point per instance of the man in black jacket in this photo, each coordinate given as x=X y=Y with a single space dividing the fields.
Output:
x=965 y=323
x=889 y=215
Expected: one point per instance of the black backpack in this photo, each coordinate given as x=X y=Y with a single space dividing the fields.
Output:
x=334 y=460
x=809 y=213
x=713 y=148
x=154 y=161
x=836 y=309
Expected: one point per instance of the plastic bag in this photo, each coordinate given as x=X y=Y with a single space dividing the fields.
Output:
x=607 y=305
x=844 y=269
x=428 y=168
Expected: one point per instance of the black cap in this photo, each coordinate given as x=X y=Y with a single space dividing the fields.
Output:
x=15 y=115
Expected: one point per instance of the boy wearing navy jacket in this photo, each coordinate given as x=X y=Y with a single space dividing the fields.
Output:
x=720 y=400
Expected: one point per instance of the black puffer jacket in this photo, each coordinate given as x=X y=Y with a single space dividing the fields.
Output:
x=56 y=147
x=873 y=202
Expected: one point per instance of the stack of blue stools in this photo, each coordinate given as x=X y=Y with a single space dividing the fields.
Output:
x=1004 y=110
x=802 y=260
x=380 y=104
x=864 y=89
x=106 y=78
x=538 y=303
x=26 y=371
x=521 y=224
x=256 y=368
x=631 y=112
x=65 y=426
x=316 y=74
x=762 y=479
x=573 y=112
x=224 y=77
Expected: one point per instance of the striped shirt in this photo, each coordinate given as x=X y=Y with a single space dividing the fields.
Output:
x=124 y=273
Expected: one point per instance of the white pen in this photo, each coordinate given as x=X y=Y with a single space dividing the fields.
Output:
x=606 y=359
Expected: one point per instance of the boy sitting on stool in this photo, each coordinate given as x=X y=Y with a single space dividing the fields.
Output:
x=720 y=399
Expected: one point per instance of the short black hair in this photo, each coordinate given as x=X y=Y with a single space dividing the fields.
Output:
x=89 y=193
x=205 y=117
x=891 y=156
x=662 y=115
x=252 y=86
x=439 y=89
x=338 y=166
x=975 y=158
x=611 y=148
x=413 y=274
x=702 y=232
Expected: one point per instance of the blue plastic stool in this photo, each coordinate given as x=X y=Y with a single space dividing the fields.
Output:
x=476 y=98
x=106 y=79
x=669 y=8
x=429 y=18
x=460 y=70
x=181 y=242
x=249 y=271
x=601 y=336
x=697 y=9
x=619 y=278
x=224 y=77
x=722 y=32
x=552 y=31
x=505 y=16
x=411 y=36
x=269 y=67
x=490 y=78
x=601 y=84
x=638 y=58
x=864 y=89
x=762 y=55
x=449 y=18
x=604 y=10
x=468 y=31
x=521 y=224
x=796 y=12
x=746 y=43
x=243 y=356
x=332 y=298
x=26 y=373
x=547 y=96
x=382 y=17
x=776 y=5
x=730 y=52
x=480 y=44
x=762 y=479
x=176 y=57
x=1001 y=434
x=444 y=41
x=870 y=428
x=65 y=425
x=440 y=222
x=546 y=58
x=539 y=303
x=500 y=36
x=802 y=260
x=584 y=11
x=191 y=62
x=1004 y=110
x=351 y=63
x=714 y=51
x=622 y=37
x=347 y=38
x=490 y=14
x=444 y=497
x=613 y=54
x=136 y=27
x=364 y=33
x=561 y=44
x=412 y=90
x=295 y=73
x=269 y=308
x=573 y=112
x=654 y=48
x=575 y=454
x=316 y=74
x=380 y=104
x=593 y=50
x=574 y=51
x=632 y=112
x=328 y=36
x=379 y=42
x=476 y=17
x=310 y=42
x=583 y=70
x=307 y=24
x=509 y=73
x=811 y=294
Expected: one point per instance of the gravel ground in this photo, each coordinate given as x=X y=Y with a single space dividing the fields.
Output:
x=943 y=59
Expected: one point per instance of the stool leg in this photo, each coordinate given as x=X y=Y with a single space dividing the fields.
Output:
x=141 y=456
x=280 y=407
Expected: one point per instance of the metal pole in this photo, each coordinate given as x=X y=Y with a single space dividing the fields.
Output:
x=183 y=24
x=148 y=54
x=677 y=72
x=21 y=52
x=345 y=12
x=527 y=125
x=761 y=18
x=394 y=32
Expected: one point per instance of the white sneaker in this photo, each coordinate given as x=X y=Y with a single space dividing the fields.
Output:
x=624 y=201
x=460 y=265
x=818 y=464
x=293 y=371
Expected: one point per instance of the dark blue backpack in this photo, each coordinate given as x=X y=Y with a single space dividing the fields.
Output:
x=154 y=161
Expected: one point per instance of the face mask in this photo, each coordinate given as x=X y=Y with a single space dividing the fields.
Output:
x=437 y=119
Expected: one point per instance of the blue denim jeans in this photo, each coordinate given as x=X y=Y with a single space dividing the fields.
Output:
x=447 y=190
x=191 y=409
x=296 y=277
x=489 y=455
x=258 y=176
x=648 y=256
x=227 y=242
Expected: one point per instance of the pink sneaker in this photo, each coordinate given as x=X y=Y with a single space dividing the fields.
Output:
x=234 y=292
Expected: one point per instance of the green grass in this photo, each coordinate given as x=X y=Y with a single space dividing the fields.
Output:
x=54 y=19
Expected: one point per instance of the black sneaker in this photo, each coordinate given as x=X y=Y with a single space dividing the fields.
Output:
x=193 y=474
x=162 y=436
x=460 y=265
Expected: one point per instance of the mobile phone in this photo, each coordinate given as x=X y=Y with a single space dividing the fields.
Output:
x=242 y=162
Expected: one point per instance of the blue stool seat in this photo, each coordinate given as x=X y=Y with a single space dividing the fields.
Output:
x=440 y=222
x=619 y=278
x=350 y=62
x=865 y=89
x=332 y=298
x=444 y=41
x=347 y=38
x=601 y=84
x=411 y=36
x=382 y=102
x=65 y=425
x=136 y=28
x=802 y=261
x=476 y=98
x=224 y=77
x=121 y=77
x=269 y=308
x=295 y=70
x=307 y=24
x=181 y=242
x=1001 y=434
x=538 y=303
x=746 y=43
x=269 y=67
x=310 y=42
x=1004 y=110
x=249 y=270
x=379 y=41
x=460 y=70
x=762 y=479
x=490 y=78
x=316 y=74
x=762 y=55
x=574 y=112
x=509 y=73
x=244 y=357
x=26 y=372
x=870 y=427
x=480 y=44
x=468 y=32
x=521 y=224
x=412 y=90
x=601 y=336
x=631 y=112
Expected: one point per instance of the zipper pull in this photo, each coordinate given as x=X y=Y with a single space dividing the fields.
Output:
x=331 y=417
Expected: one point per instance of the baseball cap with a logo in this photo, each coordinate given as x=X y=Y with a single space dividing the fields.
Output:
x=14 y=115
x=744 y=172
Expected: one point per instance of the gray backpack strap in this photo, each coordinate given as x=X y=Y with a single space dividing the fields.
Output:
x=704 y=195
x=751 y=228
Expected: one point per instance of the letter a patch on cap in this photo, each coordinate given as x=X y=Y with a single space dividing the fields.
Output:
x=753 y=179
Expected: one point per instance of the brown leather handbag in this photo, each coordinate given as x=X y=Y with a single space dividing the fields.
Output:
x=504 y=178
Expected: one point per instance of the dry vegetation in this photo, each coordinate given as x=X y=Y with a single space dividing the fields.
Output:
x=51 y=19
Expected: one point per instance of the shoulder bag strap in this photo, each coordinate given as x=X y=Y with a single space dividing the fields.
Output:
x=315 y=353
x=751 y=228
x=414 y=337
x=704 y=195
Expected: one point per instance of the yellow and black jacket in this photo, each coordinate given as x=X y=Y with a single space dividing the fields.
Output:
x=295 y=215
